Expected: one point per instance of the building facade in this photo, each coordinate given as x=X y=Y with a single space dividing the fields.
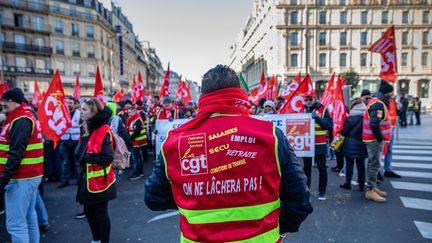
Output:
x=284 y=37
x=75 y=37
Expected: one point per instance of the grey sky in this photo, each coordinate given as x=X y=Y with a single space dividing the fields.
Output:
x=193 y=35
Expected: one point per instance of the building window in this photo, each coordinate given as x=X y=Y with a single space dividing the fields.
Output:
x=425 y=39
x=76 y=68
x=322 y=38
x=88 y=14
x=294 y=39
x=343 y=17
x=293 y=2
x=405 y=38
x=72 y=11
x=405 y=17
x=91 y=51
x=404 y=59
x=363 y=38
x=40 y=63
x=59 y=47
x=424 y=59
x=342 y=59
x=294 y=60
x=343 y=38
x=76 y=49
x=20 y=62
x=20 y=40
x=60 y=66
x=384 y=17
x=58 y=26
x=39 y=41
x=322 y=17
x=91 y=70
x=425 y=18
x=73 y=1
x=363 y=2
x=19 y=20
x=321 y=2
x=55 y=7
x=322 y=59
x=90 y=32
x=38 y=23
x=87 y=3
x=2 y=36
x=423 y=88
x=75 y=29
x=294 y=17
x=364 y=17
x=342 y=2
x=363 y=59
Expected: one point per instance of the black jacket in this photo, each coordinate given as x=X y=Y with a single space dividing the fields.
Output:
x=376 y=114
x=137 y=130
x=104 y=158
x=294 y=194
x=325 y=122
x=353 y=146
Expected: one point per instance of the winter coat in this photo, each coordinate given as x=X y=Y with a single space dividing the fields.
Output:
x=353 y=146
x=104 y=158
x=325 y=122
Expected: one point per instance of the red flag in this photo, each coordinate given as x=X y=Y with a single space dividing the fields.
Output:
x=262 y=89
x=149 y=99
x=294 y=103
x=339 y=111
x=291 y=86
x=386 y=46
x=98 y=89
x=53 y=113
x=36 y=95
x=272 y=88
x=119 y=96
x=77 y=93
x=164 y=89
x=136 y=92
x=141 y=86
x=2 y=88
x=182 y=92
x=327 y=98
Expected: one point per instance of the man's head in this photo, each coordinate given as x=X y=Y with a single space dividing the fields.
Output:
x=366 y=96
x=132 y=110
x=167 y=102
x=12 y=99
x=179 y=101
x=268 y=106
x=156 y=100
x=139 y=104
x=128 y=104
x=71 y=102
x=309 y=100
x=386 y=89
x=219 y=77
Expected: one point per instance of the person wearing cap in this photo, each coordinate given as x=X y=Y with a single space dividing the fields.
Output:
x=168 y=111
x=21 y=166
x=323 y=124
x=366 y=96
x=138 y=139
x=376 y=131
x=269 y=108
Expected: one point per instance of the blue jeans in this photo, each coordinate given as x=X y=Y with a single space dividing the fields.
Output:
x=69 y=162
x=410 y=114
x=137 y=160
x=389 y=155
x=41 y=211
x=21 y=218
x=52 y=160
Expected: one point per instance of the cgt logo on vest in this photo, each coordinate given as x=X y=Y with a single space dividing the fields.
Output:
x=193 y=154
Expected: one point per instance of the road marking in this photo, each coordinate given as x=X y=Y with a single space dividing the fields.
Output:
x=412 y=186
x=412 y=158
x=411 y=147
x=412 y=165
x=416 y=152
x=163 y=216
x=414 y=174
x=425 y=229
x=417 y=203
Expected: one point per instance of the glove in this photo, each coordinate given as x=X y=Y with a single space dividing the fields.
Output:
x=170 y=119
x=314 y=115
x=155 y=132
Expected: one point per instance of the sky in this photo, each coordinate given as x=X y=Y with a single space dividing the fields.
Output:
x=193 y=35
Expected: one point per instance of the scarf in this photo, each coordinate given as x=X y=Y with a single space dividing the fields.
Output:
x=225 y=101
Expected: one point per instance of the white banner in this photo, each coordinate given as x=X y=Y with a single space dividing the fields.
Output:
x=298 y=128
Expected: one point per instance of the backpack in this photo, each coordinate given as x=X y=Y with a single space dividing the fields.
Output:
x=121 y=153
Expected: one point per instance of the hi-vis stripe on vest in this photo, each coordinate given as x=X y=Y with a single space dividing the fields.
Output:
x=385 y=126
x=141 y=140
x=320 y=133
x=223 y=196
x=31 y=165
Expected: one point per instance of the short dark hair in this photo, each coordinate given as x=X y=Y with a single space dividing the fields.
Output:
x=219 y=77
x=139 y=103
x=156 y=97
x=128 y=102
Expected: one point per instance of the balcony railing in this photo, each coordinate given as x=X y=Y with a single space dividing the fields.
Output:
x=27 y=70
x=26 y=25
x=60 y=52
x=27 y=47
x=27 y=5
x=76 y=54
x=91 y=55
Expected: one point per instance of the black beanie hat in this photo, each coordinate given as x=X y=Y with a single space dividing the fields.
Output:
x=365 y=92
x=15 y=95
x=385 y=87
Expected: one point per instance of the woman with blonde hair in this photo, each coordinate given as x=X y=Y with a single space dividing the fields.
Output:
x=96 y=180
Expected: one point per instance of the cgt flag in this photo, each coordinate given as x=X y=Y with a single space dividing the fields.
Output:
x=37 y=96
x=183 y=92
x=53 y=113
x=291 y=87
x=387 y=48
x=119 y=96
x=262 y=89
x=294 y=103
x=339 y=110
x=328 y=97
x=164 y=90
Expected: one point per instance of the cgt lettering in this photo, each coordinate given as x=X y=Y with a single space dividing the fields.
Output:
x=194 y=166
x=300 y=142
x=219 y=149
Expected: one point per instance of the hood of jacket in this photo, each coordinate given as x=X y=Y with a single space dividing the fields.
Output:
x=102 y=117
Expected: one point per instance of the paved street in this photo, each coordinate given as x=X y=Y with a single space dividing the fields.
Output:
x=343 y=217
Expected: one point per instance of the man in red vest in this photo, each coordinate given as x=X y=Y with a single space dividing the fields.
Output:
x=138 y=139
x=323 y=123
x=376 y=131
x=232 y=177
x=21 y=166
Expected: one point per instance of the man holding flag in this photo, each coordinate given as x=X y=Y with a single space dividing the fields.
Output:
x=21 y=166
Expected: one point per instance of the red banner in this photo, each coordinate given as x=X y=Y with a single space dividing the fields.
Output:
x=183 y=92
x=98 y=89
x=77 y=93
x=37 y=96
x=339 y=111
x=294 y=103
x=262 y=89
x=291 y=87
x=119 y=96
x=53 y=113
x=272 y=88
x=164 y=89
x=386 y=46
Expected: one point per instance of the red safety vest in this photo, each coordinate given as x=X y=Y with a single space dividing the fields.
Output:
x=141 y=140
x=31 y=165
x=225 y=178
x=367 y=134
x=320 y=133
x=99 y=177
x=161 y=114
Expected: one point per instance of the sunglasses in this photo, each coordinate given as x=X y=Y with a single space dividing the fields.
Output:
x=368 y=98
x=308 y=99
